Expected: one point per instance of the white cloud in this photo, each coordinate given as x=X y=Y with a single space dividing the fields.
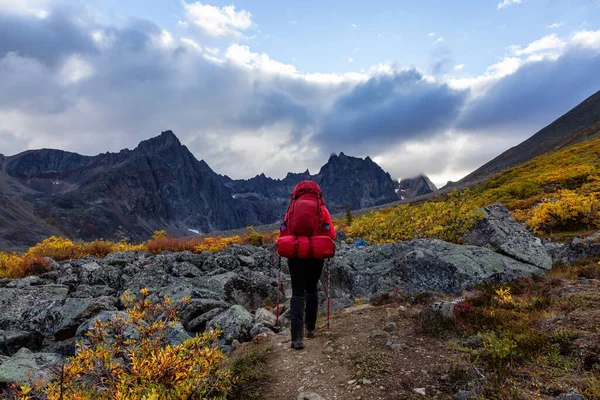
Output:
x=32 y=7
x=549 y=47
x=74 y=70
x=439 y=40
x=589 y=39
x=165 y=39
x=293 y=22
x=241 y=55
x=555 y=25
x=218 y=21
x=492 y=74
x=431 y=34
x=459 y=67
x=549 y=42
x=506 y=3
x=350 y=60
x=191 y=43
x=354 y=25
x=183 y=24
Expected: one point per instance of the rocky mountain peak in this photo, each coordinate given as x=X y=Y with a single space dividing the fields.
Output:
x=417 y=186
x=165 y=140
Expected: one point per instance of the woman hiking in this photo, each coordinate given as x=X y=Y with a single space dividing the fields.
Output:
x=306 y=239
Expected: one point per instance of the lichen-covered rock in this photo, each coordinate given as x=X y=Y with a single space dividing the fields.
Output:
x=16 y=302
x=440 y=310
x=566 y=254
x=26 y=367
x=236 y=324
x=251 y=290
x=499 y=231
x=61 y=320
x=265 y=317
x=422 y=265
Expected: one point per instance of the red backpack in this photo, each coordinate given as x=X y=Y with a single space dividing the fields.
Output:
x=302 y=233
x=304 y=217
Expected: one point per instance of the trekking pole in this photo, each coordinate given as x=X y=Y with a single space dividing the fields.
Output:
x=278 y=290
x=328 y=291
x=276 y=258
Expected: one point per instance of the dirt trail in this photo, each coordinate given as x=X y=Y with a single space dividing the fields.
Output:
x=363 y=362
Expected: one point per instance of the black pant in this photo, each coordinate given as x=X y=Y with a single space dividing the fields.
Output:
x=305 y=274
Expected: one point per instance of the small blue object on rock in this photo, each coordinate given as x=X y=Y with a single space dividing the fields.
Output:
x=361 y=243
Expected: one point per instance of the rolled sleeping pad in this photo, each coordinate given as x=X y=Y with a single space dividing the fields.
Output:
x=319 y=247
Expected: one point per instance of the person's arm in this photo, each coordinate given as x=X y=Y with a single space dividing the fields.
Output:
x=327 y=219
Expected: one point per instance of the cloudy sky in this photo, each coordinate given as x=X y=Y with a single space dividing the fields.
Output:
x=255 y=86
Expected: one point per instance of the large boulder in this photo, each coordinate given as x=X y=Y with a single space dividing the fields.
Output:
x=499 y=231
x=15 y=302
x=196 y=315
x=422 y=265
x=236 y=324
x=26 y=367
x=251 y=290
x=62 y=320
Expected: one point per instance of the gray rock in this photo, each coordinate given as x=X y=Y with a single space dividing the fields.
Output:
x=390 y=327
x=422 y=265
x=440 y=310
x=16 y=302
x=62 y=320
x=87 y=291
x=126 y=257
x=108 y=316
x=379 y=334
x=251 y=290
x=199 y=323
x=25 y=282
x=200 y=306
x=309 y=396
x=26 y=367
x=65 y=348
x=265 y=317
x=566 y=254
x=463 y=395
x=499 y=231
x=235 y=323
x=572 y=394
x=258 y=329
x=13 y=341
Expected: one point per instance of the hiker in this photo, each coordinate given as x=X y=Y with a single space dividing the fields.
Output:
x=306 y=239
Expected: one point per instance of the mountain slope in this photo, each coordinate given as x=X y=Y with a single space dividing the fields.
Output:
x=579 y=124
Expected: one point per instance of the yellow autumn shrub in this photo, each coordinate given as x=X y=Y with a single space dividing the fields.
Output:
x=113 y=366
x=447 y=220
x=568 y=211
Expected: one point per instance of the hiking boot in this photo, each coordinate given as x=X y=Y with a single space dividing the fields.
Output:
x=297 y=321
x=312 y=305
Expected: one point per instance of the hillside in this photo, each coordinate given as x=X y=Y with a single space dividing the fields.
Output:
x=556 y=194
x=159 y=185
x=579 y=124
